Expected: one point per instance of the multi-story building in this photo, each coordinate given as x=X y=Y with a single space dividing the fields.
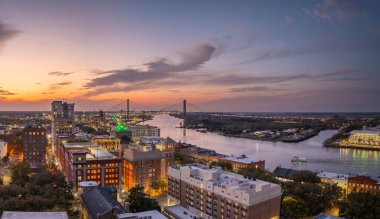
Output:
x=3 y=148
x=166 y=146
x=213 y=193
x=365 y=137
x=111 y=143
x=152 y=214
x=142 y=130
x=241 y=162
x=142 y=166
x=366 y=181
x=340 y=180
x=86 y=162
x=62 y=121
x=34 y=144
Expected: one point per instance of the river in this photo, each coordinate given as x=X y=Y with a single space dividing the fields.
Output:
x=277 y=153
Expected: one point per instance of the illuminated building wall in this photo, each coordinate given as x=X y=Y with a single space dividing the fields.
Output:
x=34 y=144
x=369 y=138
x=62 y=121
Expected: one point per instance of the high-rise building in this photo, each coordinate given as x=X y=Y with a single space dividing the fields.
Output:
x=34 y=144
x=213 y=193
x=3 y=149
x=142 y=130
x=62 y=123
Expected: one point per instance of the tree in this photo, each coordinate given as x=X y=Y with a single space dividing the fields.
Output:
x=316 y=197
x=360 y=205
x=1 y=180
x=224 y=165
x=306 y=176
x=258 y=174
x=140 y=201
x=20 y=173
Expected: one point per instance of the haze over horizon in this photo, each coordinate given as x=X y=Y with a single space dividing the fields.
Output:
x=247 y=56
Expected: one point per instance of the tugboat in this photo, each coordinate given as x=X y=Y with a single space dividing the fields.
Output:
x=297 y=159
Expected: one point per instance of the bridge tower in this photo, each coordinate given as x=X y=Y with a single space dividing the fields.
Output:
x=184 y=112
x=127 y=110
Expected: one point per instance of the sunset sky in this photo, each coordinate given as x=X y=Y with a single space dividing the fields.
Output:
x=219 y=55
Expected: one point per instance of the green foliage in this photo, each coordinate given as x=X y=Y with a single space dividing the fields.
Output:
x=360 y=205
x=139 y=200
x=302 y=199
x=258 y=174
x=306 y=176
x=44 y=191
x=224 y=165
x=20 y=173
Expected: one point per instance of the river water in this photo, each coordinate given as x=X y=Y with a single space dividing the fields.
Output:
x=275 y=154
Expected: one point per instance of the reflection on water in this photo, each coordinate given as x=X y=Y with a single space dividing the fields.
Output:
x=277 y=153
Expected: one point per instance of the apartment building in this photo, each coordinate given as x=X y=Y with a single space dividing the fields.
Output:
x=34 y=144
x=213 y=193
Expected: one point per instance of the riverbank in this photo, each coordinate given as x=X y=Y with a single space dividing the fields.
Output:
x=362 y=147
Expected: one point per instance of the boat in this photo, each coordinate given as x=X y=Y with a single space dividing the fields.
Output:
x=297 y=159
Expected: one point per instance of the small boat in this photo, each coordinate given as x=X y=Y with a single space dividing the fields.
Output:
x=297 y=159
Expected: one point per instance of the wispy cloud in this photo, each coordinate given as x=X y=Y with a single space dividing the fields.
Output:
x=7 y=32
x=254 y=89
x=4 y=92
x=59 y=85
x=341 y=10
x=59 y=73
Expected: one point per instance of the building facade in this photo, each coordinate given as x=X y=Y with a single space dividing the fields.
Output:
x=34 y=143
x=62 y=120
x=340 y=180
x=86 y=162
x=365 y=137
x=142 y=130
x=213 y=193
x=3 y=149
x=366 y=181
x=241 y=162
x=109 y=142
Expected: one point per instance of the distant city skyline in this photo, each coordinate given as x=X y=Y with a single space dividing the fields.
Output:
x=317 y=56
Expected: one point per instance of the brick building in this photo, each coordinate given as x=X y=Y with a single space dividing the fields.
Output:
x=366 y=181
x=34 y=144
x=86 y=162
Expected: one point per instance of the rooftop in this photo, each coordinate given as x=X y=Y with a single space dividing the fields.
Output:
x=181 y=212
x=100 y=200
x=33 y=215
x=240 y=159
x=329 y=175
x=153 y=214
x=284 y=172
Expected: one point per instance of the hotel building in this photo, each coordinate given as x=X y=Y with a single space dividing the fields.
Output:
x=34 y=144
x=365 y=137
x=213 y=193
x=62 y=123
x=86 y=162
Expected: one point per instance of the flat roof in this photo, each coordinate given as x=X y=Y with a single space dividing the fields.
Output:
x=34 y=215
x=153 y=213
x=246 y=160
x=182 y=212
x=329 y=175
x=373 y=132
